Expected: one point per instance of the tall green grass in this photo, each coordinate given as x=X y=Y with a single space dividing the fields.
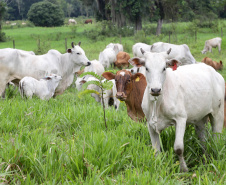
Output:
x=64 y=140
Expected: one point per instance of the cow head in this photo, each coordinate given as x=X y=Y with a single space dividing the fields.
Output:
x=203 y=51
x=156 y=66
x=124 y=82
x=78 y=56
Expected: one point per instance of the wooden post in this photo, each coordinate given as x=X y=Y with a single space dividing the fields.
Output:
x=221 y=32
x=65 y=44
x=13 y=44
x=169 y=36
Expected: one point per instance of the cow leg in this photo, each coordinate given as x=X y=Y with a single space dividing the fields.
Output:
x=200 y=130
x=2 y=89
x=219 y=48
x=217 y=120
x=154 y=138
x=179 y=143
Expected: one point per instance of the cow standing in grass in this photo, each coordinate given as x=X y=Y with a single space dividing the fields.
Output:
x=212 y=43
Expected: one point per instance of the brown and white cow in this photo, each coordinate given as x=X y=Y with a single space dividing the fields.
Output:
x=122 y=60
x=214 y=64
x=88 y=21
x=130 y=88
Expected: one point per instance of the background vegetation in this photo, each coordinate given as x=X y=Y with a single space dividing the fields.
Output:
x=64 y=140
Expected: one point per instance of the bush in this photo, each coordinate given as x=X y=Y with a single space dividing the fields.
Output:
x=46 y=14
x=2 y=37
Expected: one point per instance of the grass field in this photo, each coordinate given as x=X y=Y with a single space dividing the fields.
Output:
x=64 y=140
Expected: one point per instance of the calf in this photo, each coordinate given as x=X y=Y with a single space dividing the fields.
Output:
x=210 y=62
x=212 y=43
x=130 y=88
x=43 y=88
x=122 y=60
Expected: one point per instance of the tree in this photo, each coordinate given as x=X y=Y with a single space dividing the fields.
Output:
x=2 y=11
x=46 y=14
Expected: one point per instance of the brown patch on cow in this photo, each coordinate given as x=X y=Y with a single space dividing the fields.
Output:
x=108 y=75
x=214 y=64
x=138 y=62
x=122 y=60
x=79 y=72
x=88 y=21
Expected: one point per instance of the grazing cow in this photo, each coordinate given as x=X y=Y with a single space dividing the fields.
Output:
x=14 y=65
x=179 y=52
x=130 y=88
x=122 y=59
x=23 y=23
x=43 y=88
x=13 y=24
x=108 y=56
x=212 y=43
x=190 y=94
x=112 y=45
x=136 y=49
x=72 y=21
x=88 y=21
x=210 y=62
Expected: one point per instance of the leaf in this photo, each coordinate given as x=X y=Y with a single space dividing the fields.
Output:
x=114 y=71
x=87 y=91
x=91 y=73
x=85 y=85
x=107 y=85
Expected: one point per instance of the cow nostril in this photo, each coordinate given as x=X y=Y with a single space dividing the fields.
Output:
x=155 y=90
x=88 y=63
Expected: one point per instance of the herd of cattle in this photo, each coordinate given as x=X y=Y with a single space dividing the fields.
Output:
x=165 y=87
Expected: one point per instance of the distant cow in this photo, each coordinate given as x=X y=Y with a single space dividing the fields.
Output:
x=43 y=88
x=179 y=52
x=130 y=88
x=108 y=56
x=72 y=21
x=136 y=49
x=212 y=43
x=215 y=65
x=13 y=24
x=23 y=23
x=122 y=60
x=88 y=21
x=112 y=45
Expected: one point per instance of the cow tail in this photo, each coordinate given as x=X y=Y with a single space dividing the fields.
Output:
x=21 y=89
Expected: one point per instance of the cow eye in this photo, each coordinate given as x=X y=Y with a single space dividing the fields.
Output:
x=129 y=81
x=147 y=69
x=78 y=53
x=164 y=69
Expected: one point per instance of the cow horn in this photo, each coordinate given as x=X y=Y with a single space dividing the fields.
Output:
x=142 y=51
x=79 y=43
x=72 y=45
x=168 y=52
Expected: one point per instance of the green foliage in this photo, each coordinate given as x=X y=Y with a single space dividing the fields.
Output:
x=46 y=14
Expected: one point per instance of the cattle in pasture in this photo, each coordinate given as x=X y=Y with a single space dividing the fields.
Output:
x=179 y=52
x=13 y=24
x=107 y=57
x=190 y=94
x=24 y=23
x=43 y=88
x=112 y=45
x=16 y=64
x=7 y=22
x=212 y=43
x=72 y=21
x=95 y=67
x=88 y=21
x=130 y=88
x=136 y=49
x=122 y=59
x=214 y=64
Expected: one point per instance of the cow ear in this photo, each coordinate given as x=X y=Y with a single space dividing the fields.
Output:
x=47 y=78
x=82 y=81
x=138 y=62
x=69 y=51
x=136 y=77
x=108 y=75
x=221 y=62
x=79 y=43
x=173 y=64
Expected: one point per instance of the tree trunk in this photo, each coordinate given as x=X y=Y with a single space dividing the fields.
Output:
x=159 y=27
x=138 y=23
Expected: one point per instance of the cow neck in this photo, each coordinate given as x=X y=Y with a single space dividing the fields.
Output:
x=69 y=67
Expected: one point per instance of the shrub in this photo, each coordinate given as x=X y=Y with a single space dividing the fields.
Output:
x=46 y=14
x=2 y=37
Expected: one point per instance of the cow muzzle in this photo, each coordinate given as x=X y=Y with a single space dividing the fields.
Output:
x=121 y=96
x=155 y=92
x=88 y=63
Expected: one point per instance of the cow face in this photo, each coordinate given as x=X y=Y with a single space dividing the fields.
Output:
x=124 y=82
x=78 y=55
x=155 y=64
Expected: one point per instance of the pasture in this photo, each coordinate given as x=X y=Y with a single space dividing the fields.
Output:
x=64 y=140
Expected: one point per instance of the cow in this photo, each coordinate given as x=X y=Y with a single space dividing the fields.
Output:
x=179 y=52
x=108 y=56
x=43 y=88
x=13 y=24
x=15 y=64
x=122 y=59
x=214 y=64
x=141 y=69
x=72 y=21
x=23 y=23
x=95 y=67
x=130 y=88
x=212 y=43
x=88 y=21
x=112 y=45
x=188 y=94
x=225 y=108
x=136 y=49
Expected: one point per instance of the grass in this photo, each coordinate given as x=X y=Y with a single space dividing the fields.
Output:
x=64 y=140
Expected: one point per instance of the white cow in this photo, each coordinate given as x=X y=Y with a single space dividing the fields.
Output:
x=43 y=88
x=72 y=21
x=179 y=52
x=14 y=65
x=112 y=45
x=107 y=57
x=136 y=49
x=95 y=67
x=212 y=43
x=190 y=94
